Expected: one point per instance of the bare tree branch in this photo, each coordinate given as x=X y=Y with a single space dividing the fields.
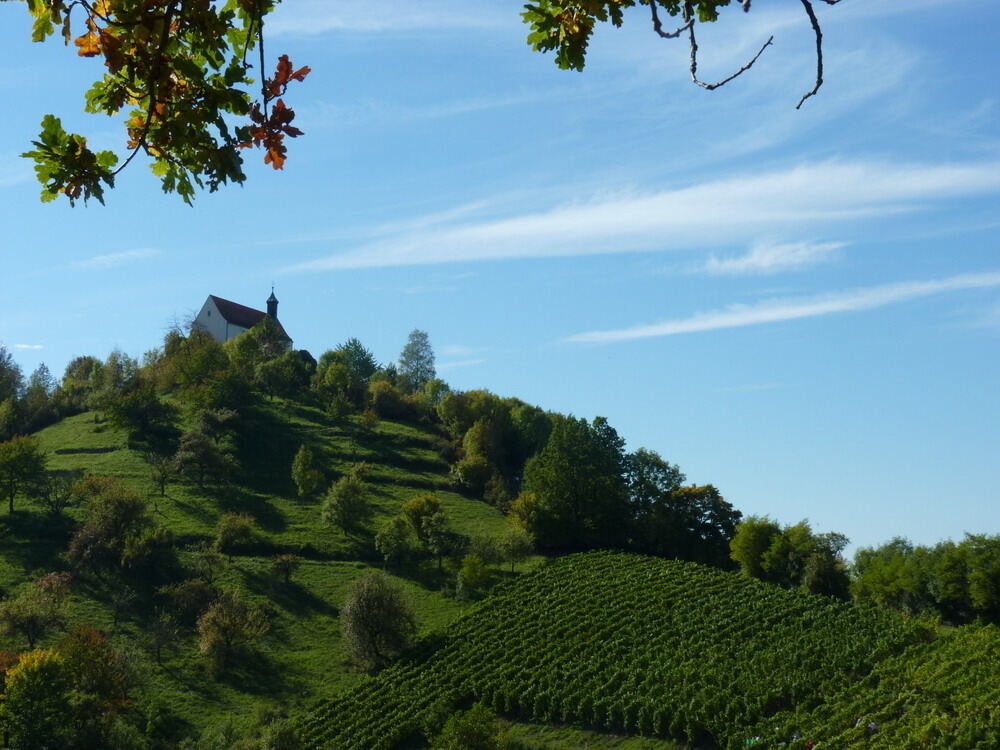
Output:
x=724 y=81
x=819 y=50
x=658 y=27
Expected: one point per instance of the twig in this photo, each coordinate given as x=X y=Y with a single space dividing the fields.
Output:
x=724 y=81
x=658 y=27
x=153 y=81
x=819 y=51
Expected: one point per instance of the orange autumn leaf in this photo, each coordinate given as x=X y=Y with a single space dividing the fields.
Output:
x=90 y=43
x=275 y=157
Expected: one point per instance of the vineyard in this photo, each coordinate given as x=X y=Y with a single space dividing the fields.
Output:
x=944 y=694
x=633 y=644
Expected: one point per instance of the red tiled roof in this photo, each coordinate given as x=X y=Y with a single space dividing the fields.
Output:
x=241 y=315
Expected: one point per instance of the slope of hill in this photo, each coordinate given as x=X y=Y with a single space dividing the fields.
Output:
x=633 y=644
x=302 y=656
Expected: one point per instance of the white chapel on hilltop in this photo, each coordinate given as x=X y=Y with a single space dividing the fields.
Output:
x=225 y=320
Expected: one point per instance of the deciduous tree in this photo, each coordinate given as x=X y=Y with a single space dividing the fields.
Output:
x=580 y=497
x=516 y=545
x=36 y=608
x=416 y=361
x=347 y=506
x=22 y=465
x=36 y=702
x=377 y=619
x=305 y=472
x=228 y=625
x=419 y=508
x=393 y=540
x=235 y=531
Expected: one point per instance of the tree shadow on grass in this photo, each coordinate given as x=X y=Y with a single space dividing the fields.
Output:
x=266 y=449
x=255 y=672
x=290 y=596
x=35 y=540
x=235 y=499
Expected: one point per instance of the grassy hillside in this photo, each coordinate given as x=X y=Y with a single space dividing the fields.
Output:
x=630 y=644
x=301 y=657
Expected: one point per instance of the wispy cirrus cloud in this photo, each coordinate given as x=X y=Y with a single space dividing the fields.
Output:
x=709 y=214
x=766 y=258
x=28 y=346
x=113 y=260
x=781 y=309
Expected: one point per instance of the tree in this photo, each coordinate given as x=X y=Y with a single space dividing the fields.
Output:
x=282 y=376
x=118 y=529
x=516 y=545
x=141 y=413
x=36 y=703
x=22 y=465
x=206 y=561
x=183 y=71
x=649 y=479
x=568 y=30
x=161 y=470
x=234 y=531
x=100 y=679
x=752 y=539
x=229 y=624
x=346 y=505
x=285 y=566
x=475 y=729
x=577 y=481
x=358 y=361
x=11 y=377
x=387 y=401
x=393 y=540
x=191 y=598
x=690 y=523
x=792 y=557
x=419 y=508
x=162 y=633
x=473 y=575
x=377 y=619
x=201 y=457
x=55 y=491
x=436 y=536
x=416 y=361
x=39 y=406
x=305 y=473
x=36 y=608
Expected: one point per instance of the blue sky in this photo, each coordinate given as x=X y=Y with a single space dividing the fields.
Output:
x=801 y=307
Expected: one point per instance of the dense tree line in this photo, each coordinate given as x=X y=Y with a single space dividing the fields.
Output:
x=959 y=581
